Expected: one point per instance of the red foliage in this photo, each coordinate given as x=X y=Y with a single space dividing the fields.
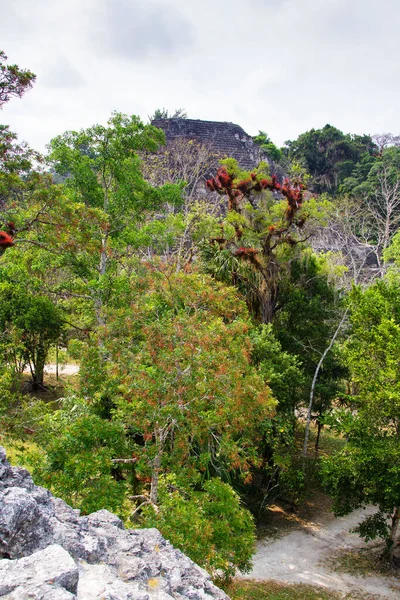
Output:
x=224 y=177
x=223 y=184
x=6 y=241
x=244 y=186
x=242 y=251
x=210 y=185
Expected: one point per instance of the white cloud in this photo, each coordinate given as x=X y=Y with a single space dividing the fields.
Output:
x=138 y=30
x=284 y=66
x=62 y=74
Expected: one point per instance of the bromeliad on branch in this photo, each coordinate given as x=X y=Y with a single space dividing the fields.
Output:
x=7 y=238
x=259 y=228
x=237 y=191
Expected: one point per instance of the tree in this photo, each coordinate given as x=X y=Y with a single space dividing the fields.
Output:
x=367 y=470
x=55 y=245
x=280 y=369
x=385 y=140
x=103 y=171
x=15 y=158
x=260 y=236
x=180 y=377
x=368 y=215
x=307 y=326
x=181 y=161
x=30 y=325
x=13 y=80
x=312 y=391
x=283 y=373
x=75 y=456
x=267 y=146
x=163 y=113
x=209 y=525
x=187 y=163
x=329 y=155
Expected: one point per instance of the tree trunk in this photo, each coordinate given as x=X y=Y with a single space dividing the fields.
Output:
x=393 y=530
x=103 y=255
x=156 y=468
x=314 y=381
x=319 y=429
x=268 y=294
x=37 y=363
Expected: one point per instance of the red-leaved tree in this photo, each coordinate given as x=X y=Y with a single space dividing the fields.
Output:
x=259 y=235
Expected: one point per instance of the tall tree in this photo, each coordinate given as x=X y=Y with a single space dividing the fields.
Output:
x=180 y=374
x=30 y=325
x=329 y=155
x=261 y=235
x=267 y=146
x=367 y=470
x=368 y=215
x=163 y=113
x=187 y=163
x=103 y=171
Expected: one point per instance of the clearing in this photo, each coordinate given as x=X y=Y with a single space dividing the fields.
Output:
x=302 y=556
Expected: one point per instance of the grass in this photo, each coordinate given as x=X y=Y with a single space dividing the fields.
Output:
x=271 y=590
x=362 y=562
x=15 y=450
x=329 y=442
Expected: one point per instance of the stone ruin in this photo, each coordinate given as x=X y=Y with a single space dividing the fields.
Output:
x=227 y=139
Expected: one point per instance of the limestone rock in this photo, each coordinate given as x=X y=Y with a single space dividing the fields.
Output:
x=50 y=552
x=48 y=573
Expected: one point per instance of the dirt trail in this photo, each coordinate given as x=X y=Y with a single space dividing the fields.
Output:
x=299 y=557
x=62 y=369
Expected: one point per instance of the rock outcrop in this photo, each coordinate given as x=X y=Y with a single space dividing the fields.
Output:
x=50 y=552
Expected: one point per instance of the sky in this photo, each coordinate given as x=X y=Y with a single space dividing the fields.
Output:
x=282 y=66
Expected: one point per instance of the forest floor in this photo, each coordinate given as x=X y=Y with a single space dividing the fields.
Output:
x=322 y=552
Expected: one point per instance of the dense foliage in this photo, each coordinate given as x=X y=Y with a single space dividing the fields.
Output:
x=367 y=471
x=329 y=155
x=204 y=325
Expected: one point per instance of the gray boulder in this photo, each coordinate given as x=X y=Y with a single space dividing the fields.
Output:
x=48 y=573
x=50 y=552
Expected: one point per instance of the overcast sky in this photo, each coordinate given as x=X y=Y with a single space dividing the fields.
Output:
x=283 y=66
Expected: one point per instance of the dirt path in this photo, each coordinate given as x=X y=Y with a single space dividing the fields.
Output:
x=299 y=557
x=62 y=369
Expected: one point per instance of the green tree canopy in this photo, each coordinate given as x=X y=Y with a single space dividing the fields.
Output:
x=329 y=155
x=267 y=146
x=30 y=324
x=367 y=471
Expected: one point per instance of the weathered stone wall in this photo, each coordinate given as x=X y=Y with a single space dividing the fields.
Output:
x=50 y=552
x=228 y=139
